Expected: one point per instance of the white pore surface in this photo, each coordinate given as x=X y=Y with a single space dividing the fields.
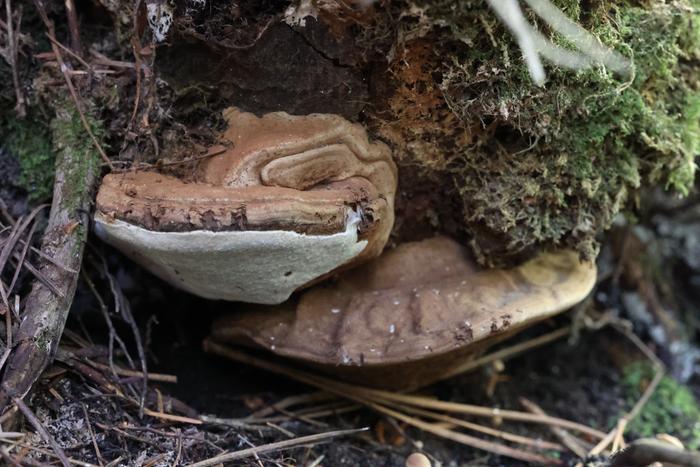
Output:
x=248 y=266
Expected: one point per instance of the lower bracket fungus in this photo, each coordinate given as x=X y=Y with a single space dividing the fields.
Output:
x=295 y=199
x=413 y=315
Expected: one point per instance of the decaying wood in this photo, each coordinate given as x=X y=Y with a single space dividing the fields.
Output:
x=44 y=312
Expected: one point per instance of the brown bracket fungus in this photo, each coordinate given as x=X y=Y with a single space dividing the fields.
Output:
x=295 y=199
x=414 y=314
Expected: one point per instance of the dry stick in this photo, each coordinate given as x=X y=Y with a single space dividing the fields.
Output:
x=7 y=249
x=3 y=210
x=136 y=48
x=291 y=401
x=13 y=45
x=44 y=280
x=31 y=418
x=479 y=411
x=113 y=335
x=51 y=34
x=158 y=377
x=211 y=152
x=31 y=447
x=123 y=305
x=564 y=436
x=64 y=238
x=98 y=454
x=9 y=459
x=287 y=444
x=435 y=429
x=524 y=440
x=478 y=443
x=71 y=53
x=8 y=337
x=73 y=26
x=9 y=246
x=615 y=434
x=22 y=257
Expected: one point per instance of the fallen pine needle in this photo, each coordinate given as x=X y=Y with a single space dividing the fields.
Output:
x=286 y=444
x=375 y=399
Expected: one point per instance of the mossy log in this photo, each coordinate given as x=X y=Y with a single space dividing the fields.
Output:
x=45 y=313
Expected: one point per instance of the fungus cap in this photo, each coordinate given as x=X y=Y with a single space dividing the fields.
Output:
x=412 y=315
x=295 y=199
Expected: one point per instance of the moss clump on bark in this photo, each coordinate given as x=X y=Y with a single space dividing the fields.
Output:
x=70 y=138
x=552 y=165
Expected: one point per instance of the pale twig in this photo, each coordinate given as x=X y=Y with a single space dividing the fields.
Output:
x=158 y=377
x=504 y=435
x=8 y=335
x=13 y=45
x=564 y=436
x=287 y=444
x=615 y=435
x=31 y=418
x=461 y=438
x=51 y=34
x=98 y=454
x=73 y=25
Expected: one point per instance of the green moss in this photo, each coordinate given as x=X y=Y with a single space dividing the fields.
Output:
x=586 y=139
x=72 y=141
x=672 y=409
x=29 y=141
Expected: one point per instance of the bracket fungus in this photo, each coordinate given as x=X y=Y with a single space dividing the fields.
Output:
x=413 y=315
x=295 y=199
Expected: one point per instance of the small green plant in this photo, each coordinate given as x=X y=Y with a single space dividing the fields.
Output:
x=672 y=409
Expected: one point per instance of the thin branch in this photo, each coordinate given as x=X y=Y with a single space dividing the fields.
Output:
x=31 y=418
x=73 y=26
x=13 y=45
x=51 y=34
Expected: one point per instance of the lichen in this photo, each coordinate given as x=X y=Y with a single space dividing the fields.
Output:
x=672 y=409
x=552 y=165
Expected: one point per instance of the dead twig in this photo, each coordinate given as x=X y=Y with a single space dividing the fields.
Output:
x=286 y=444
x=98 y=454
x=31 y=418
x=615 y=435
x=73 y=26
x=124 y=308
x=12 y=57
x=51 y=34
x=564 y=436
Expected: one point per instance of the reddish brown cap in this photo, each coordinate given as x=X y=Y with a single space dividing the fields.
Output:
x=313 y=175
